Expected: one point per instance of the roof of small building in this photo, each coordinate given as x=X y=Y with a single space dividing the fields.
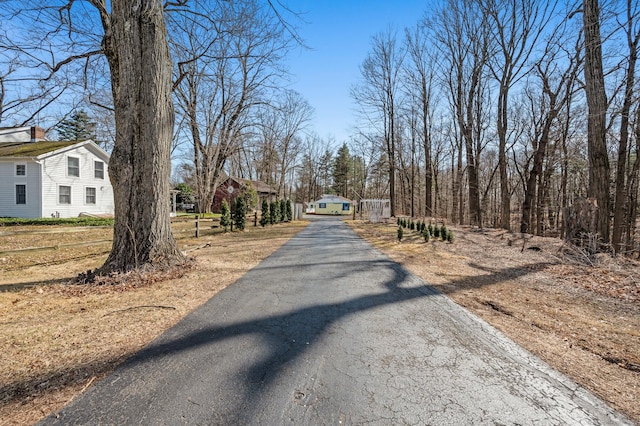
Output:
x=330 y=198
x=258 y=185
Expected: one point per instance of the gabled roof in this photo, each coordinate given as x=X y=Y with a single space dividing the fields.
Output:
x=259 y=186
x=31 y=149
x=45 y=149
x=330 y=198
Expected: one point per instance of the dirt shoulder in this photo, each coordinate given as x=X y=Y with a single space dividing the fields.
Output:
x=580 y=316
x=58 y=339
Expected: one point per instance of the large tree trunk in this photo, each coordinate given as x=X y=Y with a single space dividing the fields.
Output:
x=137 y=50
x=596 y=123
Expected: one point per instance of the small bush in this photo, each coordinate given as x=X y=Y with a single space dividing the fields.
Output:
x=400 y=233
x=449 y=236
x=225 y=215
x=398 y=222
x=68 y=221
x=436 y=232
x=443 y=231
x=426 y=235
x=430 y=228
x=239 y=214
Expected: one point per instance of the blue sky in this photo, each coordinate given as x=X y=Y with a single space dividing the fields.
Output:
x=339 y=34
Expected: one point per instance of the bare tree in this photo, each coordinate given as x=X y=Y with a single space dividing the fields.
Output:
x=557 y=74
x=632 y=38
x=421 y=80
x=516 y=26
x=378 y=97
x=228 y=60
x=280 y=127
x=462 y=35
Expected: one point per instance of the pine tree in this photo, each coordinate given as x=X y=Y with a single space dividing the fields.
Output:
x=341 y=171
x=225 y=218
x=449 y=236
x=426 y=235
x=264 y=219
x=78 y=127
x=400 y=233
x=240 y=213
x=289 y=211
x=273 y=212
x=443 y=232
x=283 y=210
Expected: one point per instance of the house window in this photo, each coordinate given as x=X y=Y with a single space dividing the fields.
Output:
x=64 y=194
x=98 y=169
x=322 y=205
x=21 y=194
x=346 y=206
x=90 y=196
x=73 y=166
x=21 y=169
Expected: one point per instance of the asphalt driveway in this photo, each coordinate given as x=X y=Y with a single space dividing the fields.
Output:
x=327 y=330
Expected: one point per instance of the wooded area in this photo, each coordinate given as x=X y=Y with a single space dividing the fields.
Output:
x=505 y=113
x=491 y=113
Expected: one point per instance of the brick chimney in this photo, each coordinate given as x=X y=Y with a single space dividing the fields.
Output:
x=37 y=134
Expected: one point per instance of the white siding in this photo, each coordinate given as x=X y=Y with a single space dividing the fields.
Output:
x=55 y=174
x=8 y=182
x=15 y=134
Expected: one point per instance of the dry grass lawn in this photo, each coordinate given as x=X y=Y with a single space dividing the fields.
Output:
x=57 y=339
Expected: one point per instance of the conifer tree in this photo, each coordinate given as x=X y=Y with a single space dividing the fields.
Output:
x=225 y=218
x=283 y=210
x=240 y=213
x=264 y=219
x=78 y=127
x=449 y=236
x=289 y=211
x=273 y=212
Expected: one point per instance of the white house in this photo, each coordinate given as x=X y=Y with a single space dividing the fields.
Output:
x=41 y=178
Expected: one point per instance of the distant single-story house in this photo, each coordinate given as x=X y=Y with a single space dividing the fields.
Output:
x=331 y=204
x=232 y=186
x=41 y=178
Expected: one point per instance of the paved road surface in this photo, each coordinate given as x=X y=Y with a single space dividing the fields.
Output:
x=329 y=331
